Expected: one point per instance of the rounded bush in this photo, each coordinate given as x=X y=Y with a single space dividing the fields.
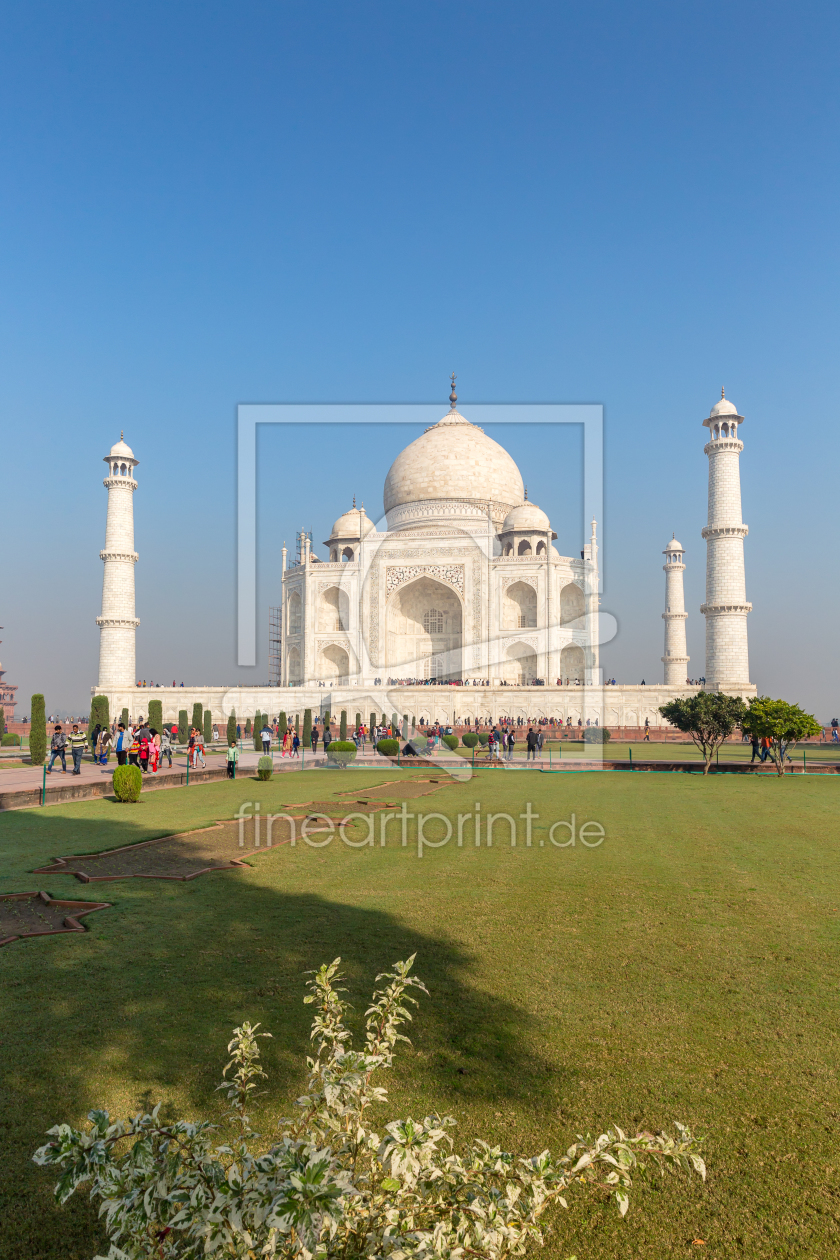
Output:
x=10 y=740
x=265 y=768
x=128 y=783
x=470 y=739
x=451 y=741
x=341 y=751
x=483 y=739
x=388 y=747
x=596 y=735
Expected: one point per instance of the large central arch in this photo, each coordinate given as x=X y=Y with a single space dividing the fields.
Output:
x=424 y=631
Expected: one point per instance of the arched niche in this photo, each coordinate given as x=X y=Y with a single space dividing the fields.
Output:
x=295 y=618
x=334 y=610
x=524 y=548
x=572 y=604
x=424 y=620
x=347 y=554
x=573 y=663
x=519 y=607
x=520 y=664
x=293 y=666
x=335 y=664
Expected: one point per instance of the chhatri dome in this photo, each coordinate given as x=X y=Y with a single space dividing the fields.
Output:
x=723 y=408
x=453 y=459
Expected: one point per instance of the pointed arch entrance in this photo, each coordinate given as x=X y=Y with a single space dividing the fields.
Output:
x=424 y=631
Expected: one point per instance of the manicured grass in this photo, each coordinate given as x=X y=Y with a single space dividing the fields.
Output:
x=685 y=969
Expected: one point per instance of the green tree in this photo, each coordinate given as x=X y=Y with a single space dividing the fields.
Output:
x=247 y=726
x=197 y=717
x=282 y=724
x=709 y=718
x=258 y=724
x=342 y=726
x=208 y=727
x=156 y=715
x=124 y=718
x=231 y=728
x=782 y=723
x=372 y=725
x=98 y=713
x=307 y=728
x=183 y=729
x=37 y=730
x=358 y=722
x=2 y=721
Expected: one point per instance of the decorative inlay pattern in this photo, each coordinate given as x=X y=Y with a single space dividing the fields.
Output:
x=397 y=575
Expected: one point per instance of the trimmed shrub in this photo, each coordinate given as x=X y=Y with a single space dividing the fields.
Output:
x=388 y=747
x=282 y=724
x=342 y=727
x=10 y=740
x=483 y=738
x=98 y=713
x=341 y=751
x=2 y=721
x=231 y=728
x=469 y=739
x=372 y=725
x=37 y=730
x=183 y=729
x=208 y=727
x=307 y=728
x=596 y=735
x=451 y=741
x=156 y=714
x=247 y=726
x=128 y=783
x=124 y=718
x=265 y=768
x=258 y=722
x=358 y=722
x=197 y=717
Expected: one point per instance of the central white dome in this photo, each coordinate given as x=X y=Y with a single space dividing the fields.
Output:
x=454 y=459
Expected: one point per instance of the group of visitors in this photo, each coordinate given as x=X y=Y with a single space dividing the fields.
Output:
x=59 y=745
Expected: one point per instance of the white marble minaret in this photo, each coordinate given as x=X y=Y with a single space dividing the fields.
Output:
x=726 y=607
x=676 y=657
x=118 y=624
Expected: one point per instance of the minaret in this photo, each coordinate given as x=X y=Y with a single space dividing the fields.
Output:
x=118 y=623
x=726 y=607
x=674 y=616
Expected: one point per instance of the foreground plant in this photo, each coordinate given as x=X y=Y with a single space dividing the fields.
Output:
x=332 y=1188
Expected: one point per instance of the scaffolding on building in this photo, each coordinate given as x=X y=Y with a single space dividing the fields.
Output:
x=275 y=647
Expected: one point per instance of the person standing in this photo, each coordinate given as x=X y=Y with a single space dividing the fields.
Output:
x=511 y=744
x=540 y=738
x=232 y=758
x=313 y=738
x=646 y=737
x=58 y=744
x=154 y=749
x=265 y=736
x=145 y=743
x=756 y=749
x=121 y=745
x=199 y=749
x=531 y=744
x=77 y=747
x=103 y=745
x=295 y=745
x=166 y=745
x=191 y=749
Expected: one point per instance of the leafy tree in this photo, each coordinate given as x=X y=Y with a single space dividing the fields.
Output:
x=37 y=730
x=709 y=718
x=156 y=715
x=231 y=727
x=98 y=713
x=183 y=729
x=328 y=1185
x=342 y=728
x=782 y=723
x=208 y=726
x=282 y=724
x=124 y=718
x=372 y=725
x=258 y=724
x=2 y=721
x=197 y=717
x=307 y=728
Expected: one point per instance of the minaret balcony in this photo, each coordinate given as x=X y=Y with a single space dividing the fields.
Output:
x=724 y=531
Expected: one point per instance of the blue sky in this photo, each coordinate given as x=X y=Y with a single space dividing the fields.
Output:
x=202 y=205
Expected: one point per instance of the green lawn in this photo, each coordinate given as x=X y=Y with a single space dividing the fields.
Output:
x=685 y=969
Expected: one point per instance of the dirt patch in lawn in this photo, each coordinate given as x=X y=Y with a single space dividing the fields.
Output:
x=38 y=914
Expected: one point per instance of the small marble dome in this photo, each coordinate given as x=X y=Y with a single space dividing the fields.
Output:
x=723 y=408
x=527 y=517
x=673 y=545
x=353 y=524
x=453 y=459
x=120 y=451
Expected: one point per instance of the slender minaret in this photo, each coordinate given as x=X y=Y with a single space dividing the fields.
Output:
x=118 y=624
x=674 y=616
x=726 y=607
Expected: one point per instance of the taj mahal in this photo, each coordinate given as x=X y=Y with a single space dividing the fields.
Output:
x=458 y=605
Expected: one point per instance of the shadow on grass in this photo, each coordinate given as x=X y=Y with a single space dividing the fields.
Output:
x=140 y=1011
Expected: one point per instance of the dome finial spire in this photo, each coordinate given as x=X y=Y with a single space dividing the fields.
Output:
x=453 y=397
x=722 y=392
x=354 y=500
x=122 y=435
x=526 y=494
